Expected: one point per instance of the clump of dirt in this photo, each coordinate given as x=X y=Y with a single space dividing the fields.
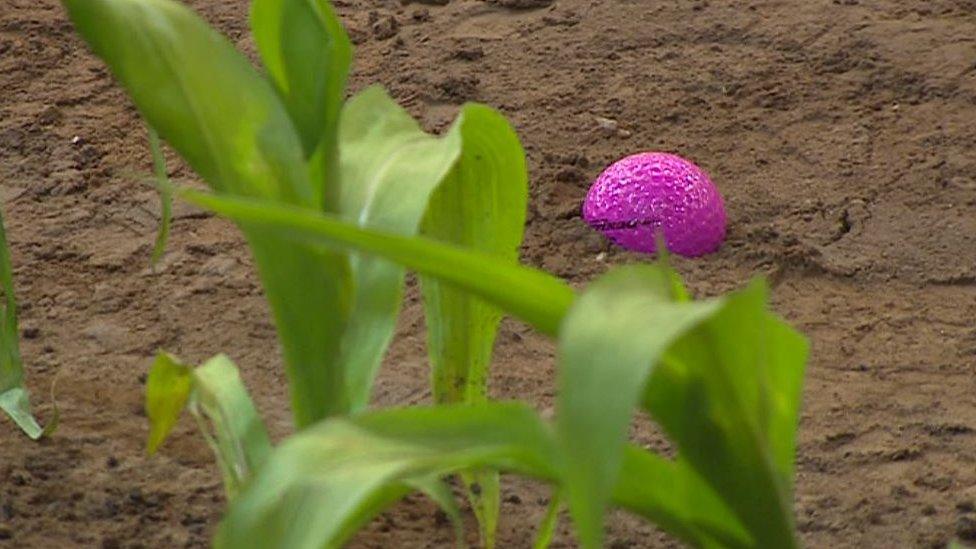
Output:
x=839 y=132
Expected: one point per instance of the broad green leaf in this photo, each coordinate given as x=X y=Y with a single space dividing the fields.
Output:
x=230 y=126
x=673 y=496
x=165 y=198
x=357 y=519
x=613 y=336
x=215 y=394
x=388 y=169
x=239 y=436
x=168 y=387
x=14 y=398
x=324 y=483
x=534 y=296
x=714 y=395
x=316 y=480
x=786 y=353
x=481 y=206
x=309 y=292
x=307 y=55
x=387 y=495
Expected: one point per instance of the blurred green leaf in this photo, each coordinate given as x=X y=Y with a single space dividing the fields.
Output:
x=783 y=367
x=613 y=336
x=324 y=483
x=547 y=528
x=307 y=54
x=440 y=493
x=320 y=478
x=481 y=206
x=670 y=494
x=239 y=437
x=231 y=127
x=713 y=395
x=534 y=296
x=224 y=411
x=14 y=398
x=389 y=168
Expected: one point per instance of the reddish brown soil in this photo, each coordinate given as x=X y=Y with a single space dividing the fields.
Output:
x=842 y=133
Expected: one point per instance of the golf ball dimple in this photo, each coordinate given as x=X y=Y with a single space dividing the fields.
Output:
x=642 y=193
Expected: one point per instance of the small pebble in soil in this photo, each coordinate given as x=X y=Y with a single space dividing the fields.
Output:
x=470 y=54
x=385 y=27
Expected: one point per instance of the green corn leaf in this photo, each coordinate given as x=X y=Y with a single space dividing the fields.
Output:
x=786 y=353
x=224 y=411
x=608 y=344
x=309 y=292
x=670 y=494
x=307 y=54
x=547 y=528
x=320 y=478
x=483 y=488
x=385 y=496
x=230 y=126
x=388 y=169
x=481 y=206
x=679 y=292
x=168 y=387
x=440 y=493
x=324 y=483
x=14 y=398
x=165 y=198
x=722 y=393
x=239 y=437
x=534 y=296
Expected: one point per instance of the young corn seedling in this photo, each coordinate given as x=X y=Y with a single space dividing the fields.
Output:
x=331 y=196
x=289 y=137
x=14 y=398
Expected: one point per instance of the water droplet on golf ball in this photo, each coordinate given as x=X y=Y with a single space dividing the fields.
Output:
x=642 y=193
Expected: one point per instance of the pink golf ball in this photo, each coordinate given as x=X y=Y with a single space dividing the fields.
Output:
x=641 y=193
